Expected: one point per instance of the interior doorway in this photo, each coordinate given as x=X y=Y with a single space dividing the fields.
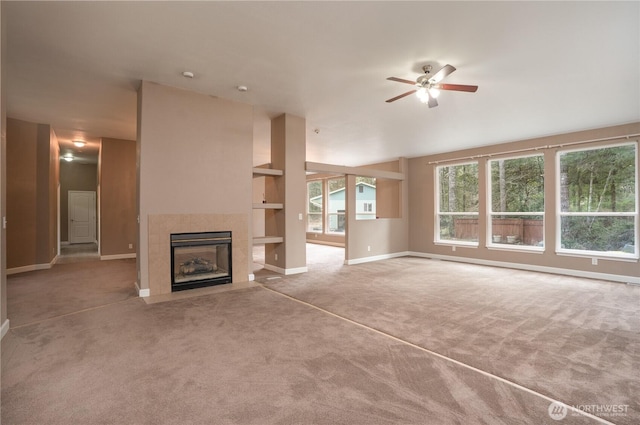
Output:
x=322 y=256
x=82 y=217
x=319 y=257
x=78 y=201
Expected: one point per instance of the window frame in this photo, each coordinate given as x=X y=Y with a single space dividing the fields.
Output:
x=328 y=214
x=560 y=214
x=490 y=213
x=322 y=190
x=437 y=239
x=368 y=207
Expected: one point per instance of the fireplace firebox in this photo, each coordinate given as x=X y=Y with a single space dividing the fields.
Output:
x=200 y=259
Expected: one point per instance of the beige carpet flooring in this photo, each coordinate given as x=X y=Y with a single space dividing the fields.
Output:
x=75 y=285
x=74 y=253
x=356 y=346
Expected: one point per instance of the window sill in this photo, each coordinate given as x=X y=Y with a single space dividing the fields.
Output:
x=457 y=243
x=599 y=256
x=518 y=248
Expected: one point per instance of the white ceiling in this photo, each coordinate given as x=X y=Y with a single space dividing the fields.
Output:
x=542 y=68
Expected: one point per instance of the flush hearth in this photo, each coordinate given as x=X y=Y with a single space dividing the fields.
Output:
x=200 y=259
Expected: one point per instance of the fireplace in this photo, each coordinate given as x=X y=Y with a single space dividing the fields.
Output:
x=200 y=259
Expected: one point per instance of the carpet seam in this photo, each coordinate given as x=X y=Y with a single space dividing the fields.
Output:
x=443 y=357
x=37 y=322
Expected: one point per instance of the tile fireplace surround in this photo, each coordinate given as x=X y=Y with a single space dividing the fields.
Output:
x=161 y=226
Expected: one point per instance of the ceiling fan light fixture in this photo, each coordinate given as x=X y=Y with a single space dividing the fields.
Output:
x=428 y=88
x=423 y=95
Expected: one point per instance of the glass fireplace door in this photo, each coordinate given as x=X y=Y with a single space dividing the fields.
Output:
x=200 y=259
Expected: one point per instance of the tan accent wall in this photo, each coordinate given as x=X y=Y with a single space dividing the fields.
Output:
x=54 y=184
x=422 y=207
x=388 y=192
x=21 y=192
x=383 y=236
x=288 y=151
x=387 y=234
x=74 y=176
x=194 y=157
x=258 y=190
x=118 y=226
x=32 y=172
x=325 y=238
x=3 y=175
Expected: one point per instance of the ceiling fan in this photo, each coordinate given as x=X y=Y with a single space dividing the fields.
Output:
x=428 y=87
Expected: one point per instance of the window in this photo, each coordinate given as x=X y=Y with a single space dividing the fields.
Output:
x=516 y=194
x=336 y=205
x=365 y=198
x=314 y=206
x=457 y=201
x=598 y=201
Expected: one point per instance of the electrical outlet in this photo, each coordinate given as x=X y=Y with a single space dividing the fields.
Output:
x=276 y=257
x=453 y=248
x=130 y=246
x=594 y=261
x=368 y=248
x=300 y=216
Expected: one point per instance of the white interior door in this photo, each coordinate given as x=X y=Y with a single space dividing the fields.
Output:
x=82 y=216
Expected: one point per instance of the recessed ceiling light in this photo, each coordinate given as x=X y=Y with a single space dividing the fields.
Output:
x=188 y=74
x=79 y=143
x=243 y=88
x=68 y=157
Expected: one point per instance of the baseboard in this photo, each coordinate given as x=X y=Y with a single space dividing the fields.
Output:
x=5 y=328
x=296 y=270
x=64 y=243
x=274 y=268
x=31 y=267
x=252 y=277
x=375 y=258
x=142 y=292
x=117 y=256
x=530 y=267
x=286 y=271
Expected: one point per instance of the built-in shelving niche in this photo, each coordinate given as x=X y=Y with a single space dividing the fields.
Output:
x=273 y=173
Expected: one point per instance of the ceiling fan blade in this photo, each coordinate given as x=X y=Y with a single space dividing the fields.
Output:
x=393 y=99
x=456 y=87
x=446 y=70
x=400 y=80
